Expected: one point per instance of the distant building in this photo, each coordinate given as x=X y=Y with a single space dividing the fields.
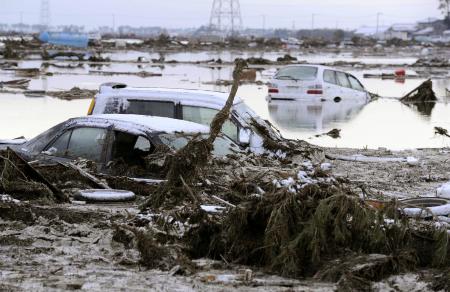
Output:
x=402 y=31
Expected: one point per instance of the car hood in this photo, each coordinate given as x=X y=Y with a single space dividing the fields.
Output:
x=5 y=143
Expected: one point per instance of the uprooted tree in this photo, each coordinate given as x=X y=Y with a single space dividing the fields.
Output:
x=185 y=164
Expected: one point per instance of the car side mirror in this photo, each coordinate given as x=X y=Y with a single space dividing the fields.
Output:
x=50 y=151
x=244 y=136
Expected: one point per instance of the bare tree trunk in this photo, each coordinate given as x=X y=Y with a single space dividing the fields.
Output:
x=185 y=164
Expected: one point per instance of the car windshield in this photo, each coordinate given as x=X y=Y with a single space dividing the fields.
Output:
x=297 y=73
x=222 y=145
x=38 y=143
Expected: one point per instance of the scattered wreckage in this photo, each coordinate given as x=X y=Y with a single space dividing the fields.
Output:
x=281 y=212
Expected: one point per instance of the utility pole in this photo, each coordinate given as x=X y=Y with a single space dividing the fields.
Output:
x=21 y=17
x=264 y=22
x=114 y=22
x=312 y=21
x=378 y=21
x=226 y=16
x=45 y=14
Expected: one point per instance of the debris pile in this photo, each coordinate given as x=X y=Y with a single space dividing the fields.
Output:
x=73 y=93
x=20 y=180
x=423 y=93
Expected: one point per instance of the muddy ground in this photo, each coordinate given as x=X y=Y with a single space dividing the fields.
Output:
x=394 y=179
x=76 y=246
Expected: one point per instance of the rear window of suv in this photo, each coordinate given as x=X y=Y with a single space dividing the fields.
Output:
x=297 y=73
x=151 y=108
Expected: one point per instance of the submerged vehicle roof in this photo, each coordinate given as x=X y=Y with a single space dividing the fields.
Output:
x=187 y=96
x=138 y=123
x=311 y=65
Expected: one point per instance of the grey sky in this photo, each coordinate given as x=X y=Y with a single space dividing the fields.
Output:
x=193 y=13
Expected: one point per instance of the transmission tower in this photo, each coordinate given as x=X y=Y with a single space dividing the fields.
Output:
x=45 y=14
x=226 y=16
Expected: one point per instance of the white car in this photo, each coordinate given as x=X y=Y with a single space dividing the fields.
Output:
x=198 y=106
x=315 y=82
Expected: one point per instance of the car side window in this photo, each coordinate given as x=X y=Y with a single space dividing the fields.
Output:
x=355 y=83
x=205 y=116
x=87 y=143
x=59 y=147
x=131 y=148
x=80 y=142
x=342 y=79
x=329 y=76
x=151 y=108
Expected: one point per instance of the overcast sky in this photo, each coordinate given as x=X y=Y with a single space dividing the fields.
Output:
x=193 y=13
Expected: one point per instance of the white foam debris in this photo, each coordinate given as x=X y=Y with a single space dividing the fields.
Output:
x=307 y=164
x=443 y=210
x=444 y=191
x=104 y=195
x=8 y=199
x=412 y=161
x=212 y=209
x=325 y=166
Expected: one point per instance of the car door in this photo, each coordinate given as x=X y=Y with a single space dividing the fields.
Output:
x=359 y=90
x=345 y=86
x=81 y=142
x=332 y=89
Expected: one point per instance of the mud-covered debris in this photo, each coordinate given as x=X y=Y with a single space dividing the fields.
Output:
x=25 y=72
x=17 y=83
x=9 y=52
x=22 y=181
x=140 y=73
x=432 y=62
x=286 y=58
x=73 y=93
x=248 y=75
x=258 y=61
x=98 y=58
x=334 y=133
x=62 y=55
x=441 y=131
x=423 y=93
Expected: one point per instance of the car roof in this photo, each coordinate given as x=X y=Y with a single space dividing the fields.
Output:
x=139 y=125
x=192 y=97
x=312 y=65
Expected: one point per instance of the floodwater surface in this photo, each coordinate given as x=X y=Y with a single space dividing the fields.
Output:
x=385 y=122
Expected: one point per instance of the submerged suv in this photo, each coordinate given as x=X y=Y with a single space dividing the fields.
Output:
x=315 y=82
x=199 y=106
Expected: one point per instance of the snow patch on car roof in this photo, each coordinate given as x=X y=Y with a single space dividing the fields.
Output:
x=193 y=97
x=138 y=124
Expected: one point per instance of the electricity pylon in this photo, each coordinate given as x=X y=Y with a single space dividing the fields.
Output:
x=226 y=16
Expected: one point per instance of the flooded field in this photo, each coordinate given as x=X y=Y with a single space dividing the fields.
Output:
x=384 y=122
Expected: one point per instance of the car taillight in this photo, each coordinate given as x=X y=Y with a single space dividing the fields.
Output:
x=91 y=107
x=315 y=89
x=273 y=90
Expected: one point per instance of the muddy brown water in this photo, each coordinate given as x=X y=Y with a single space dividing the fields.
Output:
x=382 y=123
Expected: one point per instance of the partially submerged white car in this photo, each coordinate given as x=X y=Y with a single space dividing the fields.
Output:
x=315 y=82
x=197 y=106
